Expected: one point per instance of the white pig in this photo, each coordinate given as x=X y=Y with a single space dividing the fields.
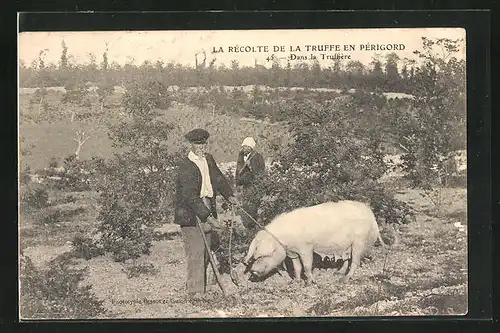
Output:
x=344 y=229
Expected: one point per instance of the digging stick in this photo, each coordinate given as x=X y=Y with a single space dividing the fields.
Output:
x=211 y=258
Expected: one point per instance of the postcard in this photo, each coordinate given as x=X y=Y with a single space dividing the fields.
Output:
x=242 y=173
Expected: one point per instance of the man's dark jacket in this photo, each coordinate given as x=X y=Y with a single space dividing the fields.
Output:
x=188 y=204
x=253 y=169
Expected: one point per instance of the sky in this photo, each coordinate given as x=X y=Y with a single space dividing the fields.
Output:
x=181 y=46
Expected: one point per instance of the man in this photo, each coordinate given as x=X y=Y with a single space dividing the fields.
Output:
x=198 y=181
x=249 y=167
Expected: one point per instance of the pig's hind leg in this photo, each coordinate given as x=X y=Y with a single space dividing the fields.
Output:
x=344 y=267
x=346 y=257
x=356 y=252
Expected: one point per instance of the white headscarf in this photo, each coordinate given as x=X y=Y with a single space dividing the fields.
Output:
x=249 y=141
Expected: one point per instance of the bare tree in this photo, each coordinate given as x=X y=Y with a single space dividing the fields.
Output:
x=203 y=64
x=211 y=64
x=81 y=138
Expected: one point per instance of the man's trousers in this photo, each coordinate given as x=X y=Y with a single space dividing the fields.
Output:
x=197 y=258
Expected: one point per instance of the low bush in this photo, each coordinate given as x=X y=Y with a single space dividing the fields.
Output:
x=34 y=197
x=50 y=216
x=67 y=199
x=74 y=176
x=132 y=204
x=56 y=293
x=135 y=186
x=328 y=162
x=24 y=176
x=86 y=247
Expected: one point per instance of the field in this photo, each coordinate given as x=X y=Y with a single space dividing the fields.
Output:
x=425 y=273
x=56 y=140
x=53 y=136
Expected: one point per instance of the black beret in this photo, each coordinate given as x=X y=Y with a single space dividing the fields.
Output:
x=197 y=135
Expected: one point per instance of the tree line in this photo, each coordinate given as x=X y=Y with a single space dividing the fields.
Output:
x=389 y=73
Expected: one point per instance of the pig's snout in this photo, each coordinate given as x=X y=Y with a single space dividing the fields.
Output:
x=255 y=273
x=260 y=267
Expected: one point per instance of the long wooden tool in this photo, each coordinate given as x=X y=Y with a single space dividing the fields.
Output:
x=232 y=273
x=211 y=258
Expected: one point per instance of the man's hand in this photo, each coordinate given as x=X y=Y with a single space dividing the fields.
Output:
x=206 y=227
x=213 y=222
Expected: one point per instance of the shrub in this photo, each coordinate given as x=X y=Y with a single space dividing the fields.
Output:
x=50 y=216
x=135 y=186
x=143 y=95
x=53 y=163
x=76 y=175
x=328 y=163
x=86 y=247
x=434 y=126
x=133 y=202
x=75 y=93
x=24 y=176
x=34 y=197
x=56 y=292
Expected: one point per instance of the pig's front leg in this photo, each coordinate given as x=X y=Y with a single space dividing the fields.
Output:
x=307 y=261
x=297 y=268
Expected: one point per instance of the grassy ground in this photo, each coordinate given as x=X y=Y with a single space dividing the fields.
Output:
x=57 y=140
x=426 y=273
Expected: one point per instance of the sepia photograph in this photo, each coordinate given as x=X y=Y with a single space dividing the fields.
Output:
x=180 y=174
